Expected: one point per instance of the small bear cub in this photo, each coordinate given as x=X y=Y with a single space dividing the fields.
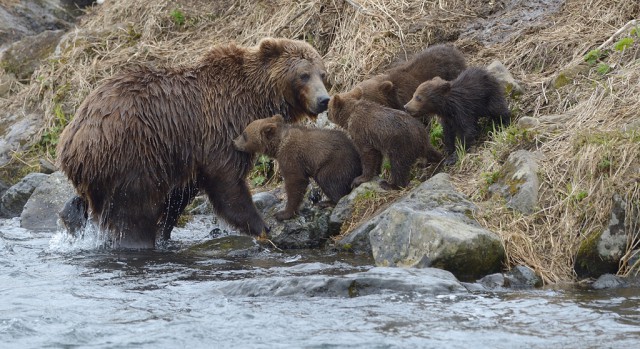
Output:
x=327 y=156
x=379 y=131
x=460 y=103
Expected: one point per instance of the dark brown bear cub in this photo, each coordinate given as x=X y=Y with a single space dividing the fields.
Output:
x=395 y=88
x=379 y=131
x=327 y=156
x=460 y=103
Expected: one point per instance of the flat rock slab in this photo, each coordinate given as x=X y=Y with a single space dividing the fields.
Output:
x=49 y=197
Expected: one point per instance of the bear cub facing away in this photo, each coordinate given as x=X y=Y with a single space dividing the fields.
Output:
x=379 y=131
x=459 y=104
x=327 y=156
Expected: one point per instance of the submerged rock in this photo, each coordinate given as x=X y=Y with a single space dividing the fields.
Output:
x=13 y=201
x=522 y=276
x=238 y=246
x=429 y=281
x=608 y=281
x=49 y=197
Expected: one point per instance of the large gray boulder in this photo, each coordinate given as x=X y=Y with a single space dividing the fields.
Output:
x=14 y=199
x=433 y=226
x=17 y=131
x=518 y=182
x=41 y=210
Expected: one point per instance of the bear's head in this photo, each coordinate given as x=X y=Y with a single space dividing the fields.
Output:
x=381 y=90
x=342 y=105
x=299 y=74
x=428 y=97
x=261 y=136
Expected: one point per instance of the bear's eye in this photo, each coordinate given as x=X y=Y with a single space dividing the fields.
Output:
x=323 y=76
x=244 y=136
x=418 y=98
x=305 y=77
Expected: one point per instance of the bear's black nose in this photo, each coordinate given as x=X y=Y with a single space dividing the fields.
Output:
x=323 y=103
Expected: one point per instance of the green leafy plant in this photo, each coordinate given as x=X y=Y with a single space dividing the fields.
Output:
x=491 y=177
x=603 y=68
x=177 y=17
x=623 y=44
x=593 y=56
x=436 y=134
x=51 y=135
x=262 y=171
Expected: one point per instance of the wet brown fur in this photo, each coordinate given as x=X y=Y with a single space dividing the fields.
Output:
x=460 y=103
x=379 y=131
x=327 y=156
x=145 y=141
x=395 y=87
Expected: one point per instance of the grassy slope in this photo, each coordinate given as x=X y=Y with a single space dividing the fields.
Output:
x=585 y=160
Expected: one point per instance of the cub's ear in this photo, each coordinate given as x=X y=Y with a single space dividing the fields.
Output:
x=270 y=47
x=387 y=86
x=357 y=93
x=336 y=101
x=445 y=87
x=269 y=130
x=278 y=118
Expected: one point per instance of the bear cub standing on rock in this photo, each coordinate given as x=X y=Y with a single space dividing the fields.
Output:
x=379 y=131
x=460 y=103
x=328 y=156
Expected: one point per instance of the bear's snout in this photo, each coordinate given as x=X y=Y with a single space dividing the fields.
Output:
x=323 y=103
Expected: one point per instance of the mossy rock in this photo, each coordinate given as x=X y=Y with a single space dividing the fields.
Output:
x=589 y=262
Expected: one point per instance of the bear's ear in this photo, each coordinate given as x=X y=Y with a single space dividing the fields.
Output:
x=269 y=130
x=357 y=93
x=387 y=86
x=270 y=47
x=336 y=101
x=278 y=118
x=445 y=87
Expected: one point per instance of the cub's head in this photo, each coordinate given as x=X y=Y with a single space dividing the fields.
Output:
x=341 y=106
x=261 y=136
x=380 y=90
x=428 y=97
x=298 y=73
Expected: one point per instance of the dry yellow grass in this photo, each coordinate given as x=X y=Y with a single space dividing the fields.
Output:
x=359 y=38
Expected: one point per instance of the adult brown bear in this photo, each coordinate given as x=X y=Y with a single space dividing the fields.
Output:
x=145 y=141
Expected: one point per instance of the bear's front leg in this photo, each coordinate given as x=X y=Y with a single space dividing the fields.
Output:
x=371 y=160
x=231 y=200
x=295 y=186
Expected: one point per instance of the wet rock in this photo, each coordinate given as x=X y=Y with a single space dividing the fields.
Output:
x=309 y=229
x=501 y=73
x=493 y=281
x=433 y=226
x=429 y=281
x=265 y=201
x=49 y=197
x=17 y=131
x=518 y=182
x=527 y=122
x=600 y=252
x=23 y=57
x=237 y=246
x=522 y=276
x=14 y=199
x=608 y=281
x=344 y=208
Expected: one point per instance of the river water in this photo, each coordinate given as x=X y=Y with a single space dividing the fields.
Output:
x=60 y=293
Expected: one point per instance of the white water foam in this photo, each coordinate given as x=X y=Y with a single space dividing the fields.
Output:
x=88 y=239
